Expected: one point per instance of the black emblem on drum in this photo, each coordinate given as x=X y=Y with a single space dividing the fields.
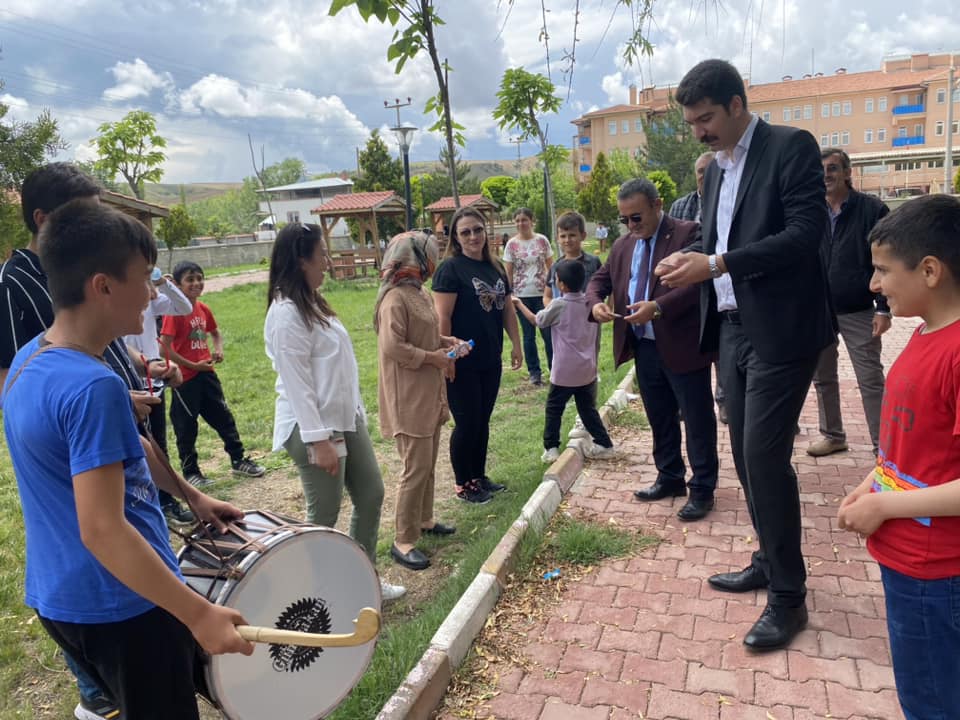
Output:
x=305 y=615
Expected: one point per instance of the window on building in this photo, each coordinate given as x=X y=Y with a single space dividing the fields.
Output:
x=293 y=216
x=903 y=99
x=868 y=105
x=955 y=128
x=836 y=109
x=918 y=130
x=638 y=125
x=835 y=139
x=938 y=128
x=625 y=127
x=916 y=165
x=845 y=137
x=825 y=110
x=808 y=112
x=612 y=127
x=797 y=113
x=941 y=96
x=766 y=116
x=824 y=140
x=902 y=131
x=935 y=164
x=882 y=104
x=881 y=135
x=868 y=136
x=847 y=107
x=956 y=94
x=899 y=167
x=787 y=115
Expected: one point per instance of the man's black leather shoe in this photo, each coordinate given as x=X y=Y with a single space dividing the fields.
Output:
x=745 y=580
x=776 y=628
x=695 y=508
x=415 y=560
x=439 y=529
x=660 y=490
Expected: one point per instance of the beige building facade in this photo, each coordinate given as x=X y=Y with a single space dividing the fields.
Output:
x=893 y=122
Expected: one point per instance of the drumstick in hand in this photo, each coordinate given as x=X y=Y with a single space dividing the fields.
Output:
x=367 y=625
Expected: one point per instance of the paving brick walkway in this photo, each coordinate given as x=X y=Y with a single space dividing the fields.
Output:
x=647 y=637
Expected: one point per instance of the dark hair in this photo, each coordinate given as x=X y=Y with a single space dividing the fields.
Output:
x=525 y=211
x=638 y=186
x=51 y=186
x=183 y=267
x=844 y=159
x=572 y=221
x=926 y=225
x=294 y=243
x=83 y=238
x=455 y=248
x=714 y=80
x=571 y=273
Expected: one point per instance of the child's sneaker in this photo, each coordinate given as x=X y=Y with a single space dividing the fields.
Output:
x=550 y=455
x=578 y=430
x=199 y=480
x=390 y=592
x=177 y=514
x=490 y=486
x=471 y=492
x=99 y=708
x=599 y=452
x=248 y=467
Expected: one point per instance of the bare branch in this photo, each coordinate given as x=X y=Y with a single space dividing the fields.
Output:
x=260 y=176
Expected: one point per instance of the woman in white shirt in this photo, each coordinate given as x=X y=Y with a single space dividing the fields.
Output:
x=319 y=416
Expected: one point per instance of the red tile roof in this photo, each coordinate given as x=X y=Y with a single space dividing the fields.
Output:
x=446 y=203
x=346 y=202
x=844 y=83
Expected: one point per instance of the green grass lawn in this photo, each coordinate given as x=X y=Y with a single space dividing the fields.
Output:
x=28 y=659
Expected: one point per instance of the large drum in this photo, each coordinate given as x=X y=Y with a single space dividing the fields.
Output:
x=286 y=574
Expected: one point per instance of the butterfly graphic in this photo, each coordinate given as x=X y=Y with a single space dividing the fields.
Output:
x=490 y=296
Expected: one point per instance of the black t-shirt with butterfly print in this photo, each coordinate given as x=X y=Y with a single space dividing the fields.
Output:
x=478 y=312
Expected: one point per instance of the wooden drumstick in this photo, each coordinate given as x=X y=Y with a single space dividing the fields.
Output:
x=367 y=625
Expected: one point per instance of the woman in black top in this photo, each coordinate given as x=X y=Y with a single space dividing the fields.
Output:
x=472 y=297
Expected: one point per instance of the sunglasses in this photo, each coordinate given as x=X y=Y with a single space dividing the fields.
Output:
x=627 y=219
x=471 y=232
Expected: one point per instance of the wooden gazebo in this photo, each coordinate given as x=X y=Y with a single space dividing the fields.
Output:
x=443 y=209
x=364 y=207
x=142 y=210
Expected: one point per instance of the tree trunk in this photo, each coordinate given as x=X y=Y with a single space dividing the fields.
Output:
x=442 y=83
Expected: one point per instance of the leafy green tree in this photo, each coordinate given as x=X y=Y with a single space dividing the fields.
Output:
x=497 y=188
x=956 y=181
x=176 y=230
x=624 y=166
x=528 y=190
x=131 y=147
x=665 y=186
x=378 y=170
x=595 y=199
x=285 y=172
x=672 y=147
x=523 y=98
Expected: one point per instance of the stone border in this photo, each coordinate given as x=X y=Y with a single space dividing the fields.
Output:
x=425 y=685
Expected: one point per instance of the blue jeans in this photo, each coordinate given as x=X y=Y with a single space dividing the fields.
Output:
x=88 y=687
x=530 y=352
x=923 y=620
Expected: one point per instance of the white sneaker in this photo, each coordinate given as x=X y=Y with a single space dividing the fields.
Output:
x=599 y=452
x=578 y=430
x=550 y=455
x=390 y=592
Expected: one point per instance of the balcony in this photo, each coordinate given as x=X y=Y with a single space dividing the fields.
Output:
x=584 y=168
x=908 y=109
x=907 y=141
x=584 y=140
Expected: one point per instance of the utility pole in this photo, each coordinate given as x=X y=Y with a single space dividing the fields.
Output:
x=517 y=141
x=948 y=154
x=404 y=137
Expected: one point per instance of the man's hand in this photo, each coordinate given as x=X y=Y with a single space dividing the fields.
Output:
x=323 y=454
x=216 y=512
x=215 y=631
x=642 y=312
x=602 y=313
x=881 y=323
x=143 y=403
x=682 y=269
x=516 y=357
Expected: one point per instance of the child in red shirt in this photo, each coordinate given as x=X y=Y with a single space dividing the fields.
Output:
x=201 y=394
x=909 y=506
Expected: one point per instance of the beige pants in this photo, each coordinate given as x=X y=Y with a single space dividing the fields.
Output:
x=415 y=491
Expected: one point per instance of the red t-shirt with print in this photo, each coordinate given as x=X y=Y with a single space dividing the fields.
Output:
x=920 y=447
x=189 y=334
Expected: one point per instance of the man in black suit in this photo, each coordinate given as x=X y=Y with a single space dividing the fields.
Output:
x=763 y=303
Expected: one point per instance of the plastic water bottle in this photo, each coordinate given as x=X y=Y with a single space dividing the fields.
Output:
x=460 y=349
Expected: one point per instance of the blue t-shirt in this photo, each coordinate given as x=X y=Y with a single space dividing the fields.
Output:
x=66 y=414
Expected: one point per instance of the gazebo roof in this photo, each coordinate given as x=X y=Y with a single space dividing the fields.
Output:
x=135 y=204
x=446 y=203
x=384 y=202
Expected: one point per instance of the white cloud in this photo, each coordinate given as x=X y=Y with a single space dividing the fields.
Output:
x=134 y=80
x=617 y=92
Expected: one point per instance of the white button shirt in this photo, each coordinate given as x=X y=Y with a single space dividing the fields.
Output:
x=318 y=383
x=732 y=166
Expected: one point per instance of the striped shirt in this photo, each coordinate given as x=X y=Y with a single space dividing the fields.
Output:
x=26 y=310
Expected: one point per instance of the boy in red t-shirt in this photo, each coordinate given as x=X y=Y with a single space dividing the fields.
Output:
x=909 y=505
x=201 y=394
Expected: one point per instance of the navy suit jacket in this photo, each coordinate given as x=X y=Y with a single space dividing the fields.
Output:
x=773 y=251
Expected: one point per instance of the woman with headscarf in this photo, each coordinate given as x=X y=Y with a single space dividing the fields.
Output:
x=320 y=419
x=413 y=400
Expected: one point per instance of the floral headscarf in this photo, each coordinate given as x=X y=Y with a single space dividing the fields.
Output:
x=410 y=259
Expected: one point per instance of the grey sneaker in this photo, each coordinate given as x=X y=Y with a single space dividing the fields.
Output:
x=99 y=708
x=248 y=467
x=599 y=452
x=551 y=455
x=199 y=480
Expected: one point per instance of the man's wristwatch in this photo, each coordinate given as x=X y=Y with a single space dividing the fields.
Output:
x=715 y=271
x=657 y=311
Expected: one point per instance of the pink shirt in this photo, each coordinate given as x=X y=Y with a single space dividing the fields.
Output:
x=574 y=340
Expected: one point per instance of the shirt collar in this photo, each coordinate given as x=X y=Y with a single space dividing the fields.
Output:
x=728 y=161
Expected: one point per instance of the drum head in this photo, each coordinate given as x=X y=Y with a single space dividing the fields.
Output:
x=314 y=581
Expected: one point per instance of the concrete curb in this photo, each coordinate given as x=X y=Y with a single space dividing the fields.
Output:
x=425 y=685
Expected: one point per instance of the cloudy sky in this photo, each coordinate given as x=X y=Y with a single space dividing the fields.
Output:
x=307 y=85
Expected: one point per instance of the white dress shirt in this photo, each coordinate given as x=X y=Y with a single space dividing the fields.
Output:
x=732 y=166
x=318 y=383
x=169 y=301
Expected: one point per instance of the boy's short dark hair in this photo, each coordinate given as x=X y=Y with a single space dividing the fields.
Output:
x=183 y=267
x=83 y=238
x=714 y=80
x=572 y=274
x=572 y=221
x=926 y=225
x=51 y=186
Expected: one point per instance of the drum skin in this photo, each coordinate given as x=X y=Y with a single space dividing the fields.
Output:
x=316 y=580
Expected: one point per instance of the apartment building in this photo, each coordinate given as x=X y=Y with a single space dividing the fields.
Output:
x=893 y=122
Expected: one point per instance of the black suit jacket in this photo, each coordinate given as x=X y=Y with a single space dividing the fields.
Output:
x=772 y=254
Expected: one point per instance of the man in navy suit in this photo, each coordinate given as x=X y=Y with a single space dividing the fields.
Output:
x=658 y=326
x=763 y=303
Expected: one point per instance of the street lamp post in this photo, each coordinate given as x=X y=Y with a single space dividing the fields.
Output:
x=404 y=137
